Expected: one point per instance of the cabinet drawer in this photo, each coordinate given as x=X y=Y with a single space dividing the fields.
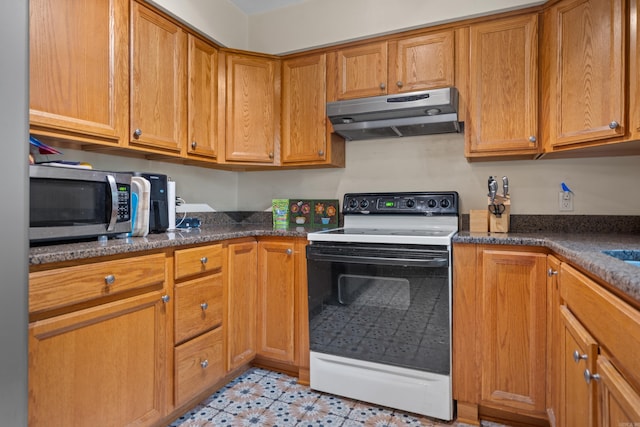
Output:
x=198 y=306
x=72 y=285
x=194 y=261
x=199 y=364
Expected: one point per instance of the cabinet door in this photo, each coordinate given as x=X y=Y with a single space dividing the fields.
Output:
x=304 y=118
x=276 y=300
x=206 y=106
x=503 y=88
x=241 y=294
x=105 y=365
x=619 y=402
x=553 y=337
x=420 y=63
x=634 y=70
x=253 y=109
x=78 y=69
x=586 y=78
x=512 y=329
x=358 y=71
x=158 y=82
x=578 y=352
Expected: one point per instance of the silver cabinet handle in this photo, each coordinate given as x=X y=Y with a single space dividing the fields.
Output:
x=577 y=357
x=271 y=154
x=194 y=144
x=614 y=125
x=399 y=83
x=204 y=306
x=166 y=298
x=551 y=272
x=108 y=280
x=204 y=260
x=532 y=138
x=137 y=133
x=320 y=152
x=588 y=376
x=289 y=251
x=204 y=363
x=383 y=86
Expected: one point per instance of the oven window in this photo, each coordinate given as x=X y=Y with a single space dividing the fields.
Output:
x=390 y=314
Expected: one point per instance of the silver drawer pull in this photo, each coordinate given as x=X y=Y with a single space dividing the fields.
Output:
x=166 y=298
x=577 y=357
x=204 y=363
x=204 y=306
x=588 y=376
x=288 y=251
x=551 y=272
x=204 y=260
x=614 y=125
x=109 y=279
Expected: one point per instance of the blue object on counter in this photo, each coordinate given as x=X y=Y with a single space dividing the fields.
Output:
x=189 y=223
x=134 y=210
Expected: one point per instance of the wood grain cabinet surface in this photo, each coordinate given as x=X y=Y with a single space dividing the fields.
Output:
x=584 y=73
x=252 y=109
x=158 y=82
x=78 y=70
x=502 y=117
x=387 y=67
x=105 y=364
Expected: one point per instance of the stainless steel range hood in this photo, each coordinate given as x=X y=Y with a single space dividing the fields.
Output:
x=391 y=116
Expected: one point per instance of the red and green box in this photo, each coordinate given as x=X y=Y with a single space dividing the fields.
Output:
x=320 y=213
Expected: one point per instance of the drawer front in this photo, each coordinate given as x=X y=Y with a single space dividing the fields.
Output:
x=72 y=285
x=198 y=306
x=189 y=262
x=199 y=364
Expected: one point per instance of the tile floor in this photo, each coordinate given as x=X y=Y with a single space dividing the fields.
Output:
x=264 y=398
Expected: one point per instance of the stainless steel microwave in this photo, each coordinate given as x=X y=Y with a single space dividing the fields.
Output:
x=74 y=204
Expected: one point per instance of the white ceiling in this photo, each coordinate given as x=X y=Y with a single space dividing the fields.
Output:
x=255 y=7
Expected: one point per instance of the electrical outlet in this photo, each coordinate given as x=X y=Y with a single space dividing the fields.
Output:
x=565 y=201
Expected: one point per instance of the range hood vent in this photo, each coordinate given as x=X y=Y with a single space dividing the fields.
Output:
x=392 y=116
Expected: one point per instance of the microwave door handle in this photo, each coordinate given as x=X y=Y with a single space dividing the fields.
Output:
x=114 y=203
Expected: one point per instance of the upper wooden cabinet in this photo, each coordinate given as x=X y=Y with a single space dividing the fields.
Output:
x=306 y=132
x=205 y=101
x=502 y=118
x=584 y=73
x=78 y=66
x=399 y=65
x=158 y=82
x=252 y=109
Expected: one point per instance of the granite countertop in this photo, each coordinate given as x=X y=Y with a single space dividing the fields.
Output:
x=181 y=237
x=582 y=250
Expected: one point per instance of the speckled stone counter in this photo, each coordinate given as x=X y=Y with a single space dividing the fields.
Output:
x=182 y=237
x=582 y=250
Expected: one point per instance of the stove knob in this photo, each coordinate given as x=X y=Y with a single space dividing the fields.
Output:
x=445 y=203
x=353 y=203
x=364 y=203
x=432 y=203
x=411 y=203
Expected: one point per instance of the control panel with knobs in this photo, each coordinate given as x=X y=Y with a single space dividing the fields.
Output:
x=416 y=203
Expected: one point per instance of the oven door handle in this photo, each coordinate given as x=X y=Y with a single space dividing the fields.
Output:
x=351 y=259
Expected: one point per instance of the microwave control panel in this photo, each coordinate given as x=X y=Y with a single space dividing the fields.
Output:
x=124 y=202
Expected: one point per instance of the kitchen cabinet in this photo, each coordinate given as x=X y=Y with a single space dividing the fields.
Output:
x=78 y=66
x=205 y=93
x=613 y=326
x=158 y=98
x=241 y=302
x=499 y=331
x=276 y=300
x=583 y=79
x=252 y=109
x=399 y=65
x=502 y=118
x=306 y=133
x=634 y=70
x=97 y=355
x=554 y=332
x=199 y=330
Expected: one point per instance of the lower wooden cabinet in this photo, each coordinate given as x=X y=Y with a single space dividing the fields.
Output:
x=499 y=330
x=619 y=402
x=241 y=300
x=276 y=299
x=104 y=365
